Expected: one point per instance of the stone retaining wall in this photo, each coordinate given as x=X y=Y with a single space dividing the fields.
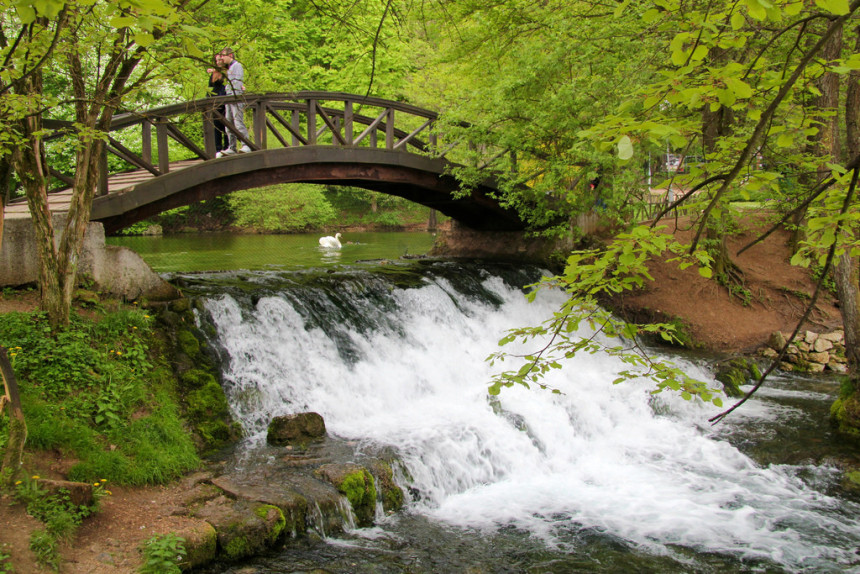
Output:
x=809 y=352
x=118 y=271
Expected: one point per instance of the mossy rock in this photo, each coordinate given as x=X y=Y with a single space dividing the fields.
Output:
x=207 y=402
x=736 y=372
x=357 y=484
x=243 y=529
x=845 y=416
x=392 y=495
x=197 y=379
x=180 y=306
x=188 y=343
x=201 y=544
x=296 y=430
x=852 y=480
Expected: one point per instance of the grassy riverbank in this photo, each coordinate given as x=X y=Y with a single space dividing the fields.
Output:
x=104 y=405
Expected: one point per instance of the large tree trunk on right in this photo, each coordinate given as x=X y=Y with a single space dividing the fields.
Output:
x=825 y=143
x=846 y=273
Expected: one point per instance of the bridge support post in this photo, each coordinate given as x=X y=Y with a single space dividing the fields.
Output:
x=209 y=133
x=102 y=186
x=260 y=124
x=163 y=152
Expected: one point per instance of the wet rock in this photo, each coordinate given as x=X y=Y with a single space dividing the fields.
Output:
x=243 y=528
x=734 y=373
x=201 y=544
x=357 y=484
x=296 y=430
x=387 y=489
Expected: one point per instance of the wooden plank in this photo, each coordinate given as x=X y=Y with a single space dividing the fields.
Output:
x=347 y=122
x=126 y=154
x=161 y=142
x=260 y=124
x=312 y=122
x=276 y=133
x=297 y=137
x=184 y=140
x=335 y=132
x=408 y=139
x=371 y=129
x=389 y=130
x=146 y=141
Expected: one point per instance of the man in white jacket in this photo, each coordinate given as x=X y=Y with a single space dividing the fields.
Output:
x=234 y=112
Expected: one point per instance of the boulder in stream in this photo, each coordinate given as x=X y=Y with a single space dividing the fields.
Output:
x=297 y=430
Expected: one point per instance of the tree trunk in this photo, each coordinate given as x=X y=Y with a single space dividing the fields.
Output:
x=825 y=143
x=716 y=125
x=17 y=425
x=31 y=166
x=847 y=271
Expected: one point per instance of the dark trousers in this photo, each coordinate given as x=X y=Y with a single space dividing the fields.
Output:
x=221 y=141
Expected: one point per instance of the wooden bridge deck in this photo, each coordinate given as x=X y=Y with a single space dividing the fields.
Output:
x=118 y=183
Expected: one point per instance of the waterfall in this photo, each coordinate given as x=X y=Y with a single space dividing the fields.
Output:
x=397 y=359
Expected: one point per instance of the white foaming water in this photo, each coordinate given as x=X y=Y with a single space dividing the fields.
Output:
x=596 y=457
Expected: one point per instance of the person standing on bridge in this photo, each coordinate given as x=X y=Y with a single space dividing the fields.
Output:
x=235 y=112
x=216 y=88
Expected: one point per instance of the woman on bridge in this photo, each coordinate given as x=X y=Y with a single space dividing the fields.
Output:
x=216 y=88
x=235 y=112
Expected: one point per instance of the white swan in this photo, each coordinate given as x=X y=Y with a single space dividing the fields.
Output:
x=330 y=242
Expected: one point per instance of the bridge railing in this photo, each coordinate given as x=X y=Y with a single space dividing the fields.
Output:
x=150 y=140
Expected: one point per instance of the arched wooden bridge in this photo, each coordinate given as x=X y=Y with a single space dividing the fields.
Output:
x=314 y=137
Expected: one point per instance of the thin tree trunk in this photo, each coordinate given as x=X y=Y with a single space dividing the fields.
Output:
x=17 y=425
x=825 y=143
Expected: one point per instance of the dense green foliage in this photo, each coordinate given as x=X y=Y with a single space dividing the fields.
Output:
x=100 y=393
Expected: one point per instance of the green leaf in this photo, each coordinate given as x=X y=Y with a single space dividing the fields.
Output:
x=26 y=12
x=625 y=148
x=838 y=7
x=738 y=20
x=706 y=272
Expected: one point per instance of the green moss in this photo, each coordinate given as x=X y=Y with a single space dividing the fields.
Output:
x=188 y=343
x=280 y=522
x=844 y=416
x=238 y=547
x=736 y=373
x=197 y=378
x=359 y=489
x=208 y=402
x=853 y=479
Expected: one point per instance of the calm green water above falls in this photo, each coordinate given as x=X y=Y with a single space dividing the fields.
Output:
x=221 y=251
x=602 y=478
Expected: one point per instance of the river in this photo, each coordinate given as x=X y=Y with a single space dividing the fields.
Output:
x=599 y=478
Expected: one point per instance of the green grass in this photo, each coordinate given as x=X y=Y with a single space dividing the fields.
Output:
x=100 y=393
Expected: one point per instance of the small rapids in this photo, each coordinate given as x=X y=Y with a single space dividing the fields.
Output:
x=601 y=477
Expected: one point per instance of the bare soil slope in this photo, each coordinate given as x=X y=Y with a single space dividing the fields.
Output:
x=773 y=295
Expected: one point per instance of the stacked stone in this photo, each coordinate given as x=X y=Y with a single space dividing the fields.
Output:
x=809 y=352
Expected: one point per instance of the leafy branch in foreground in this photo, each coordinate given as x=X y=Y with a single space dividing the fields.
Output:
x=582 y=325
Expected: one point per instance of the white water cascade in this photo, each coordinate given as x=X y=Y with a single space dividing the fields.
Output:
x=411 y=374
